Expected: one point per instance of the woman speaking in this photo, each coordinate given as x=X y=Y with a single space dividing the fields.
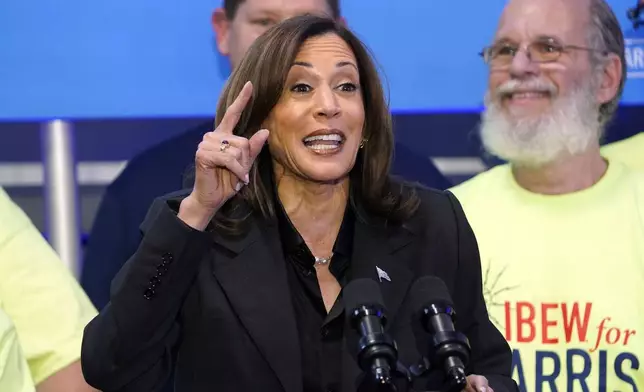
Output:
x=237 y=283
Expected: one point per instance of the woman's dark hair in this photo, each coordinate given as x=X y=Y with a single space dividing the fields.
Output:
x=266 y=65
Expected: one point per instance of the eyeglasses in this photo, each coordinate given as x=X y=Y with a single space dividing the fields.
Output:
x=541 y=51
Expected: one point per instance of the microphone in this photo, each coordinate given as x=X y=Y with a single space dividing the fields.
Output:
x=377 y=352
x=449 y=349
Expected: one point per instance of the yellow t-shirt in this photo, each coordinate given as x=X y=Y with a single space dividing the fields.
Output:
x=629 y=151
x=14 y=373
x=563 y=277
x=46 y=304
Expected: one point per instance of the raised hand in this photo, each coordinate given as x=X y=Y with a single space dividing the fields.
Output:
x=222 y=164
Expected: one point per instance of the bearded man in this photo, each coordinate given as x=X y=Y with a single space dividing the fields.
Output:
x=560 y=228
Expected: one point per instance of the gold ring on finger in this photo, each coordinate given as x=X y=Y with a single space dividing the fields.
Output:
x=225 y=144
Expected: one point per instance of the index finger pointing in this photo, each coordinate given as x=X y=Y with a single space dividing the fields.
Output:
x=234 y=111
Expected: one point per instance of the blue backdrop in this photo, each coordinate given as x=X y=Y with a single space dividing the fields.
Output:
x=156 y=58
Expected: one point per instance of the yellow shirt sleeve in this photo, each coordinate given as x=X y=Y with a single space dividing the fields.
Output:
x=14 y=372
x=43 y=299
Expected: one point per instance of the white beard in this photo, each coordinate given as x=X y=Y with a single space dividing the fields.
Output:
x=569 y=129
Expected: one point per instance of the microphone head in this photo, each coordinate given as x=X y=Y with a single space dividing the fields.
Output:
x=362 y=297
x=362 y=292
x=365 y=312
x=430 y=290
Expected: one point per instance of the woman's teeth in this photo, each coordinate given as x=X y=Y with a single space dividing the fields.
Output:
x=332 y=137
x=322 y=147
x=323 y=143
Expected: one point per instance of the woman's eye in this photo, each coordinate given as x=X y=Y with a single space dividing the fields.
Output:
x=301 y=88
x=348 y=87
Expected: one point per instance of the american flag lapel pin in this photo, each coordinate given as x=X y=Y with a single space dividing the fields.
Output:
x=382 y=274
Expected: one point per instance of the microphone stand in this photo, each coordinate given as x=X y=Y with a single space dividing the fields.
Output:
x=373 y=382
x=406 y=376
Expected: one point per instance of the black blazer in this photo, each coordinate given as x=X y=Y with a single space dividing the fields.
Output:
x=218 y=309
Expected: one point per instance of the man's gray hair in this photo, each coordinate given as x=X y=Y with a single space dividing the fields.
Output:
x=605 y=35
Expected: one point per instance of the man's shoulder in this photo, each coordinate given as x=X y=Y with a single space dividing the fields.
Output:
x=634 y=176
x=12 y=217
x=629 y=151
x=636 y=140
x=7 y=206
x=162 y=166
x=14 y=369
x=489 y=180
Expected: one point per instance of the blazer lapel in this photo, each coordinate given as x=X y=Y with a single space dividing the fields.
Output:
x=382 y=254
x=252 y=273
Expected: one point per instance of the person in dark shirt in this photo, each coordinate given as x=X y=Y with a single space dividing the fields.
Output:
x=115 y=234
x=238 y=282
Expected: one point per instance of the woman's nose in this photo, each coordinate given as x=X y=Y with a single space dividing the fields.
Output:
x=327 y=104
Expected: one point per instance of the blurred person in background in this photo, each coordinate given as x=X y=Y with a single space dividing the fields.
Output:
x=115 y=234
x=238 y=282
x=629 y=151
x=560 y=228
x=43 y=301
x=14 y=372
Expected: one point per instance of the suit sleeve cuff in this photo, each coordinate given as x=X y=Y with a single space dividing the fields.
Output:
x=148 y=292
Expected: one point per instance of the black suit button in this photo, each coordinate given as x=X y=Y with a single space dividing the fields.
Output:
x=331 y=389
x=148 y=294
x=154 y=282
x=161 y=269
x=325 y=332
x=167 y=258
